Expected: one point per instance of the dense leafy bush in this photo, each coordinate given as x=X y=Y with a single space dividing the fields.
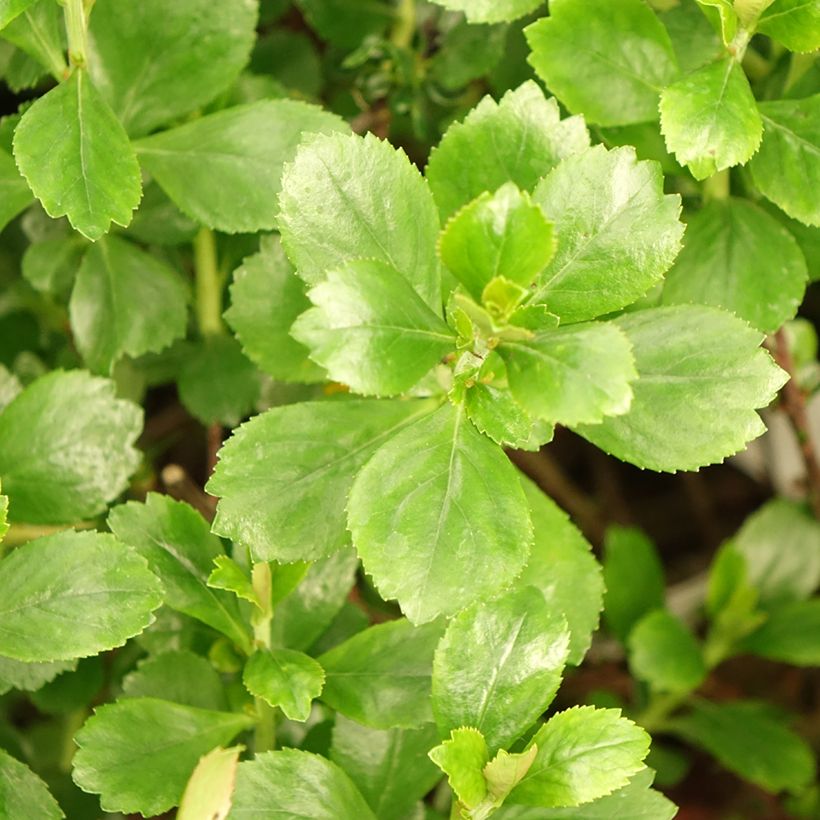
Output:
x=371 y=611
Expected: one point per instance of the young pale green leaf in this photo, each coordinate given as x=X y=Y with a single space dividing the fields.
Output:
x=501 y=234
x=66 y=448
x=291 y=784
x=562 y=566
x=175 y=540
x=179 y=676
x=370 y=330
x=627 y=58
x=51 y=265
x=348 y=197
x=787 y=166
x=139 y=753
x=710 y=119
x=284 y=678
x=701 y=374
x=736 y=256
x=390 y=768
x=125 y=301
x=462 y=757
x=15 y=195
x=505 y=771
x=583 y=754
x=439 y=518
x=225 y=170
x=750 y=743
x=572 y=375
x=266 y=298
x=665 y=654
x=499 y=665
x=210 y=788
x=633 y=576
x=794 y=23
x=519 y=140
x=284 y=477
x=22 y=794
x=491 y=11
x=76 y=157
x=790 y=634
x=151 y=75
x=618 y=232
x=73 y=594
x=381 y=677
x=228 y=575
x=9 y=9
x=724 y=16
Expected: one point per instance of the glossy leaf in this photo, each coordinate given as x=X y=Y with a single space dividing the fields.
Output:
x=22 y=794
x=224 y=170
x=15 y=195
x=700 y=377
x=462 y=757
x=76 y=157
x=794 y=23
x=519 y=139
x=491 y=11
x=499 y=665
x=287 y=473
x=138 y=754
x=438 y=517
x=284 y=678
x=607 y=61
x=73 y=594
x=209 y=790
x=618 y=232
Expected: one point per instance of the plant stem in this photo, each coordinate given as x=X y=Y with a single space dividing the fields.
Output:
x=717 y=186
x=76 y=29
x=264 y=736
x=657 y=711
x=405 y=25
x=209 y=284
x=22 y=533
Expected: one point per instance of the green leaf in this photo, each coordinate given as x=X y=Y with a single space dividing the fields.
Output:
x=633 y=576
x=22 y=794
x=291 y=785
x=284 y=678
x=179 y=676
x=4 y=509
x=730 y=251
x=501 y=234
x=228 y=575
x=665 y=654
x=175 y=540
x=346 y=23
x=749 y=743
x=618 y=232
x=462 y=758
x=51 y=265
x=787 y=166
x=499 y=666
x=370 y=330
x=701 y=375
x=381 y=677
x=693 y=37
x=790 y=634
x=794 y=23
x=390 y=768
x=125 y=301
x=153 y=74
x=491 y=11
x=583 y=754
x=76 y=157
x=29 y=677
x=505 y=771
x=724 y=14
x=288 y=472
x=780 y=543
x=209 y=790
x=519 y=140
x=266 y=298
x=9 y=9
x=562 y=566
x=626 y=52
x=439 y=518
x=15 y=195
x=39 y=32
x=710 y=119
x=225 y=170
x=138 y=754
x=571 y=375
x=348 y=197
x=73 y=594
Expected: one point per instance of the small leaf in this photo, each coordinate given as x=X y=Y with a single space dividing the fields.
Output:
x=76 y=157
x=505 y=771
x=462 y=758
x=228 y=575
x=73 y=594
x=284 y=678
x=22 y=794
x=790 y=634
x=794 y=23
x=9 y=9
x=725 y=14
x=370 y=330
x=51 y=265
x=519 y=139
x=627 y=58
x=491 y=11
x=210 y=788
x=15 y=195
x=29 y=677
x=138 y=754
x=438 y=517
x=710 y=119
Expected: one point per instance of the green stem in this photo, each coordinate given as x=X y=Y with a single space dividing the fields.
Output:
x=22 y=533
x=71 y=725
x=264 y=736
x=405 y=25
x=717 y=186
x=658 y=710
x=209 y=284
x=76 y=29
